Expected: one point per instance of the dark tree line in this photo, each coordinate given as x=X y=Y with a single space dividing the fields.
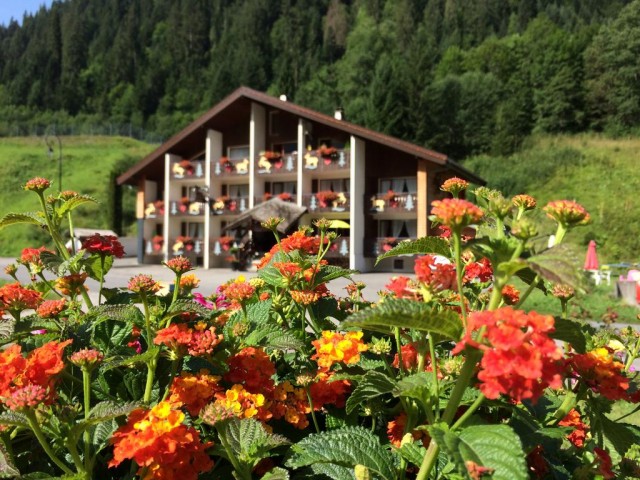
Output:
x=461 y=76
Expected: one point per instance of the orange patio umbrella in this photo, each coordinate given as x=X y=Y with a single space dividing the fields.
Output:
x=591 y=261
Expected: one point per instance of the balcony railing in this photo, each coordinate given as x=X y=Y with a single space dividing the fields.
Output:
x=229 y=205
x=285 y=197
x=186 y=246
x=273 y=164
x=223 y=245
x=187 y=170
x=328 y=160
x=393 y=202
x=184 y=208
x=227 y=167
x=339 y=248
x=326 y=202
x=378 y=246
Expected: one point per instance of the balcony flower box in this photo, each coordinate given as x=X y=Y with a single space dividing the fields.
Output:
x=226 y=242
x=326 y=197
x=226 y=164
x=183 y=244
x=328 y=154
x=157 y=242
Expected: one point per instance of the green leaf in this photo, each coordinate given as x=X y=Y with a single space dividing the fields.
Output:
x=103 y=412
x=558 y=264
x=186 y=305
x=331 y=272
x=258 y=313
x=126 y=360
x=120 y=313
x=7 y=327
x=102 y=433
x=7 y=467
x=110 y=334
x=32 y=218
x=95 y=267
x=51 y=261
x=494 y=446
x=13 y=419
x=421 y=246
x=276 y=473
x=621 y=435
x=571 y=332
x=345 y=447
x=248 y=439
x=418 y=386
x=403 y=313
x=272 y=337
x=333 y=471
x=373 y=384
x=74 y=203
x=412 y=453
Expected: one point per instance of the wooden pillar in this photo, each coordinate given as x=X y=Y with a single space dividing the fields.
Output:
x=423 y=201
x=140 y=205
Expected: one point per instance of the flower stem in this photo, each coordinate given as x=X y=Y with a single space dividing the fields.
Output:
x=101 y=278
x=459 y=271
x=313 y=413
x=33 y=424
x=434 y=367
x=86 y=386
x=470 y=411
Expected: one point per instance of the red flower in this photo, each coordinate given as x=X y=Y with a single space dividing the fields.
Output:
x=327 y=392
x=510 y=295
x=104 y=245
x=194 y=391
x=520 y=359
x=179 y=265
x=579 y=434
x=409 y=357
x=604 y=462
x=182 y=339
x=238 y=292
x=15 y=298
x=252 y=368
x=51 y=308
x=400 y=286
x=37 y=184
x=296 y=241
x=30 y=257
x=437 y=275
x=143 y=284
x=481 y=270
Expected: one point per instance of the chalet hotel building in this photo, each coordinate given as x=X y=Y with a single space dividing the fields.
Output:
x=251 y=147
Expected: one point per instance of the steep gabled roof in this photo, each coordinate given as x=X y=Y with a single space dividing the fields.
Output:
x=243 y=93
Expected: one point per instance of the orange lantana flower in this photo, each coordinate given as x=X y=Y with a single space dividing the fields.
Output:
x=162 y=446
x=335 y=347
x=194 y=391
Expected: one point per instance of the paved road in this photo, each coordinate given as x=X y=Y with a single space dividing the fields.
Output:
x=126 y=268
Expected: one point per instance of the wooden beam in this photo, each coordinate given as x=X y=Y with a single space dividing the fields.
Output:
x=423 y=201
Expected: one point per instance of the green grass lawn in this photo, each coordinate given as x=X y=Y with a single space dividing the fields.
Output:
x=88 y=166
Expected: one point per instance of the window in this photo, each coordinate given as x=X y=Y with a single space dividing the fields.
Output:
x=399 y=185
x=287 y=147
x=398 y=228
x=331 y=142
x=334 y=185
x=238 y=153
x=236 y=191
x=284 y=187
x=192 y=229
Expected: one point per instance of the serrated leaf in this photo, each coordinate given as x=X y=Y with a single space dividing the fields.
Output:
x=74 y=203
x=120 y=313
x=416 y=386
x=7 y=467
x=96 y=267
x=272 y=337
x=345 y=447
x=372 y=385
x=7 y=327
x=32 y=218
x=494 y=446
x=109 y=334
x=13 y=419
x=571 y=332
x=102 y=412
x=403 y=313
x=185 y=305
x=621 y=435
x=125 y=361
x=248 y=439
x=258 y=313
x=412 y=453
x=276 y=473
x=102 y=433
x=558 y=264
x=51 y=261
x=528 y=276
x=333 y=471
x=420 y=246
x=331 y=272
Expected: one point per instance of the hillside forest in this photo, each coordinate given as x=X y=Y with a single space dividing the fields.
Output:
x=461 y=76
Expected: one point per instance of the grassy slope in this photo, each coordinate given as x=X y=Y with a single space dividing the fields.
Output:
x=599 y=173
x=87 y=163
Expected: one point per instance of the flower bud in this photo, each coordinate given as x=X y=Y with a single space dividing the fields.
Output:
x=272 y=223
x=524 y=229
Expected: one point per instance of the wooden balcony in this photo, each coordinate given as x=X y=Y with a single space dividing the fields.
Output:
x=185 y=208
x=326 y=202
x=339 y=248
x=188 y=170
x=270 y=163
x=330 y=160
x=378 y=246
x=393 y=203
x=230 y=205
x=231 y=168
